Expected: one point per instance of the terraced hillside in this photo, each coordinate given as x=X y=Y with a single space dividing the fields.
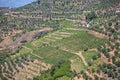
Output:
x=61 y=40
x=22 y=68
x=60 y=45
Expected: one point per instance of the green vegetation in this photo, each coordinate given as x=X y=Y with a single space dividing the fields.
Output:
x=77 y=65
x=68 y=24
x=3 y=55
x=52 y=55
x=89 y=55
x=79 y=41
x=2 y=17
x=90 y=16
x=57 y=72
x=60 y=48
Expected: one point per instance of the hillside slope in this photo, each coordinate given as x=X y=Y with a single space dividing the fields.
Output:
x=61 y=40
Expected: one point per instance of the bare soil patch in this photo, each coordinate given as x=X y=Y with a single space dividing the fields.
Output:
x=27 y=37
x=97 y=34
x=81 y=56
x=78 y=78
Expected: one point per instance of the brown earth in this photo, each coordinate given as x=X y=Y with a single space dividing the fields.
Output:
x=27 y=37
x=81 y=56
x=97 y=34
x=78 y=78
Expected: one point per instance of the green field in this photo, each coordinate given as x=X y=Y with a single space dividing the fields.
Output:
x=60 y=44
x=58 y=72
x=68 y=24
x=52 y=55
x=77 y=65
x=89 y=54
x=60 y=40
x=79 y=41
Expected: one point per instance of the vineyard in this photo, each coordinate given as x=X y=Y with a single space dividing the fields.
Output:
x=61 y=40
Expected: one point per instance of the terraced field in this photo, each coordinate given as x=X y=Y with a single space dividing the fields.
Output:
x=78 y=42
x=63 y=44
x=83 y=42
x=22 y=68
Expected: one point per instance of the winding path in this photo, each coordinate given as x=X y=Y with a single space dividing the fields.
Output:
x=83 y=59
